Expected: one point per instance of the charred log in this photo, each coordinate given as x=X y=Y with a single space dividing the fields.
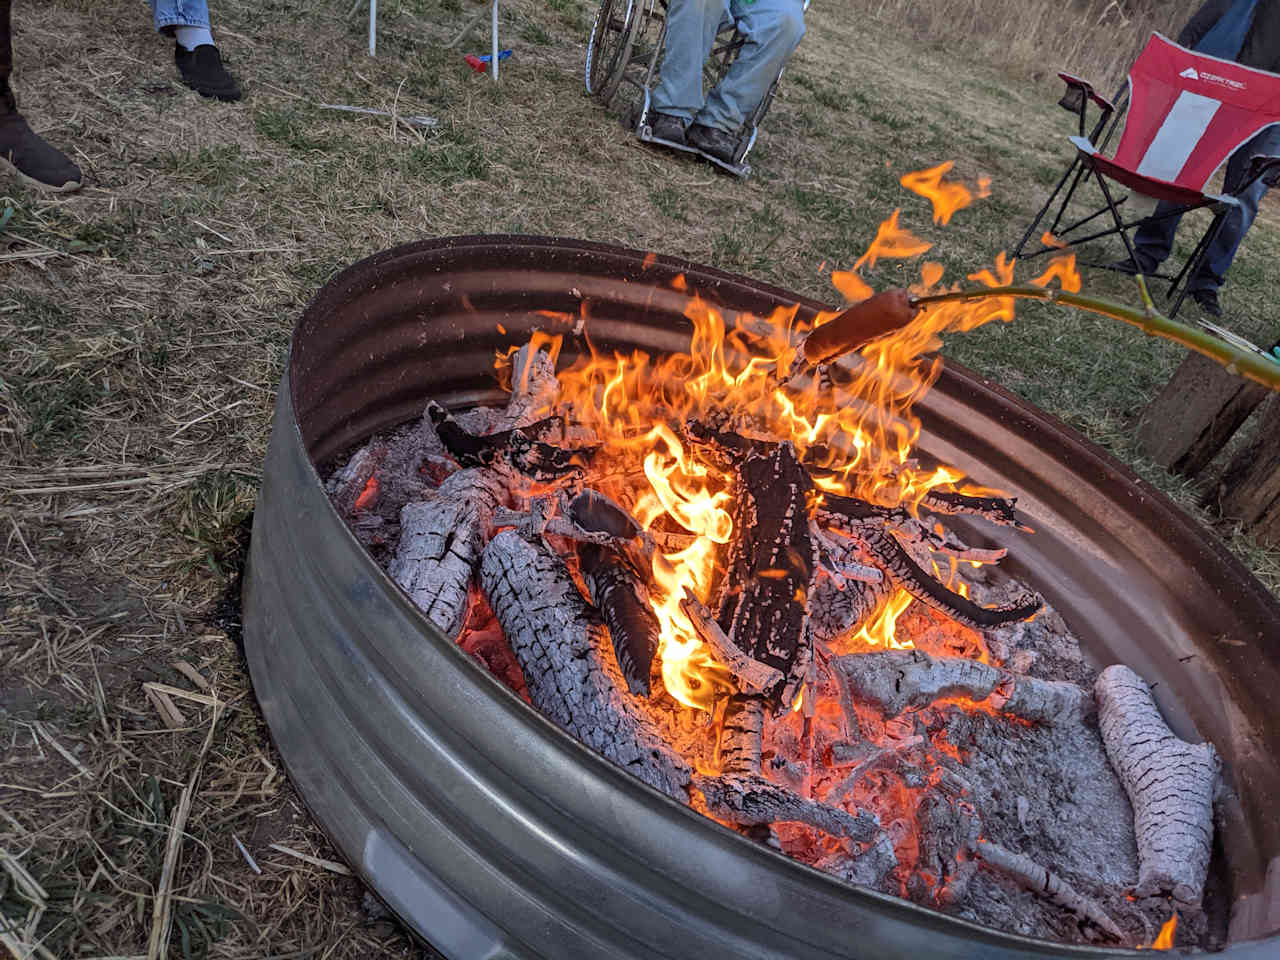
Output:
x=763 y=598
x=998 y=510
x=440 y=543
x=520 y=450
x=895 y=680
x=534 y=387
x=752 y=676
x=1170 y=783
x=561 y=647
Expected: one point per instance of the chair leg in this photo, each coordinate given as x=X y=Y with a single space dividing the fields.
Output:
x=1017 y=251
x=1115 y=213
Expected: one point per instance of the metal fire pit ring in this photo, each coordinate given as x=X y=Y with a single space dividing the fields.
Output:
x=491 y=832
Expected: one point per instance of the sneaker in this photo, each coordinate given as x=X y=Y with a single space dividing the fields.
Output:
x=34 y=159
x=1207 y=298
x=667 y=127
x=713 y=142
x=203 y=72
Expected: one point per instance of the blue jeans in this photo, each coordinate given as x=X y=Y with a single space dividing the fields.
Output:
x=772 y=27
x=1153 y=241
x=180 y=13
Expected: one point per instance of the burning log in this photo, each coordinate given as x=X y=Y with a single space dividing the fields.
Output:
x=752 y=676
x=763 y=597
x=1040 y=880
x=534 y=387
x=1170 y=783
x=560 y=644
x=617 y=588
x=893 y=680
x=440 y=543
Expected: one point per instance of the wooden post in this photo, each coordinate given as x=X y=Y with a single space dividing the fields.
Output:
x=1249 y=490
x=1196 y=413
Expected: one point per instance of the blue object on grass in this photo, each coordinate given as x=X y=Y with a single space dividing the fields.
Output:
x=486 y=57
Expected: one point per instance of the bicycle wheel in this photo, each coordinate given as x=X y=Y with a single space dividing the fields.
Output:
x=609 y=48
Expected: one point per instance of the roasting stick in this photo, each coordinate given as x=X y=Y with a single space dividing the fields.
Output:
x=893 y=309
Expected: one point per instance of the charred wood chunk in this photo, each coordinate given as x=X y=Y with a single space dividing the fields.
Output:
x=998 y=510
x=1170 y=783
x=838 y=607
x=619 y=593
x=873 y=867
x=534 y=387
x=763 y=599
x=752 y=676
x=562 y=649
x=913 y=578
x=749 y=799
x=520 y=449
x=440 y=543
x=595 y=512
x=895 y=680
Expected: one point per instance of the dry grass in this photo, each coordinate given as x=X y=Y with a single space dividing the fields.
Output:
x=143 y=323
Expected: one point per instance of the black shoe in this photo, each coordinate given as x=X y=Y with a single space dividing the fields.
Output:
x=35 y=160
x=203 y=72
x=1207 y=298
x=713 y=142
x=666 y=127
x=1145 y=267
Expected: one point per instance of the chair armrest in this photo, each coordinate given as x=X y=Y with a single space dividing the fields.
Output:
x=1077 y=90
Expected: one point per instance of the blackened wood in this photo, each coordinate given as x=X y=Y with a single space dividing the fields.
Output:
x=534 y=388
x=1249 y=490
x=440 y=543
x=997 y=510
x=837 y=608
x=563 y=650
x=518 y=449
x=750 y=799
x=894 y=680
x=592 y=510
x=1196 y=413
x=752 y=676
x=763 y=597
x=1170 y=783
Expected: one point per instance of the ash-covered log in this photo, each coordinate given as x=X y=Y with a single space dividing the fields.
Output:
x=440 y=543
x=534 y=387
x=1170 y=783
x=1048 y=884
x=894 y=680
x=562 y=648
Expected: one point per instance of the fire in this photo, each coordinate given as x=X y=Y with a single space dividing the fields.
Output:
x=1164 y=939
x=859 y=433
x=879 y=630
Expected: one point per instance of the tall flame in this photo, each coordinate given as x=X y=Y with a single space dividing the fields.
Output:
x=860 y=433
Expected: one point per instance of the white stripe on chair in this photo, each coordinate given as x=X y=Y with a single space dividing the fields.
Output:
x=1182 y=129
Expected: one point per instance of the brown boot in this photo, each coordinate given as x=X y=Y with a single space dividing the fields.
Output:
x=35 y=160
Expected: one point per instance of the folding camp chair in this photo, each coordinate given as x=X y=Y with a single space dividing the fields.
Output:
x=1187 y=114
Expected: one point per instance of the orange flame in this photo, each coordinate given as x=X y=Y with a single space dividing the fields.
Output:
x=861 y=430
x=1064 y=269
x=946 y=197
x=1164 y=939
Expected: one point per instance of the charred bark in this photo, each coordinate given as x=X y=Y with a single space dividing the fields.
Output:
x=534 y=388
x=752 y=676
x=763 y=598
x=561 y=648
x=895 y=680
x=997 y=510
x=1170 y=783
x=519 y=450
x=440 y=543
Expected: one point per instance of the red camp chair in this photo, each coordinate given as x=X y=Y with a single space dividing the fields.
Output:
x=1187 y=114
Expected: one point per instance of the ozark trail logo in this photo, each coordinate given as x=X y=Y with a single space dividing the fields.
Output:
x=1190 y=73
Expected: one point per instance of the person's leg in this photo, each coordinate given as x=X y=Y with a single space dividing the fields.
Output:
x=1213 y=271
x=773 y=29
x=187 y=21
x=21 y=149
x=194 y=53
x=1153 y=241
x=691 y=29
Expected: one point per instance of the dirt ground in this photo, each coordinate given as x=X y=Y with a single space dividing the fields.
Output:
x=144 y=322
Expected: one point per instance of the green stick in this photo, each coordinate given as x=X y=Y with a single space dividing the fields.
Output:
x=1240 y=362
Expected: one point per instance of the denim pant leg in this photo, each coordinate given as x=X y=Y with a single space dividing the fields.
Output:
x=180 y=13
x=1213 y=272
x=1153 y=241
x=691 y=30
x=773 y=29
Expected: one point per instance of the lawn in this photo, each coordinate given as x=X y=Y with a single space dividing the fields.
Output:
x=144 y=323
